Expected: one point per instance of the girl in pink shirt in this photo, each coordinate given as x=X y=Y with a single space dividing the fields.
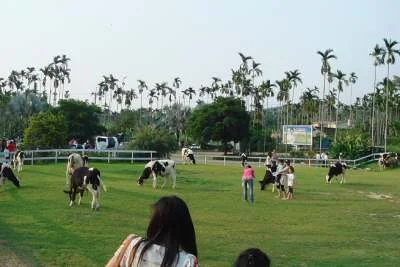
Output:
x=248 y=182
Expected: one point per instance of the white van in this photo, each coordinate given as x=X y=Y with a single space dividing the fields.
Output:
x=106 y=142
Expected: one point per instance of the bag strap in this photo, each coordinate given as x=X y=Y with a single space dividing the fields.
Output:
x=115 y=261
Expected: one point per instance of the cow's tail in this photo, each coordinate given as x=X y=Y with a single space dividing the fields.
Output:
x=102 y=185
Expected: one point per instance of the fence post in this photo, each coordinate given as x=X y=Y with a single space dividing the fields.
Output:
x=56 y=159
x=151 y=156
x=205 y=159
x=132 y=158
x=259 y=162
x=224 y=161
x=32 y=158
x=309 y=162
x=108 y=157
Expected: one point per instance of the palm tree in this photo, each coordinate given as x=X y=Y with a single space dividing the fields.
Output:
x=142 y=85
x=389 y=55
x=352 y=80
x=340 y=76
x=190 y=92
x=378 y=60
x=309 y=102
x=294 y=78
x=325 y=69
x=266 y=91
x=176 y=84
x=244 y=66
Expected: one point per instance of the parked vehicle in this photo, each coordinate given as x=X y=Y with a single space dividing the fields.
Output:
x=106 y=142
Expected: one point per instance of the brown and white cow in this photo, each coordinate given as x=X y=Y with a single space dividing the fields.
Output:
x=82 y=179
x=75 y=161
x=164 y=168
x=18 y=160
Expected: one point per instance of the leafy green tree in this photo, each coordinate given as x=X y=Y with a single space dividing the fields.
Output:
x=224 y=120
x=353 y=144
x=46 y=130
x=81 y=119
x=152 y=138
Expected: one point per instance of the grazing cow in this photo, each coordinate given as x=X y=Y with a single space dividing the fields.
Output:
x=336 y=170
x=164 y=168
x=18 y=160
x=269 y=178
x=75 y=161
x=7 y=173
x=188 y=156
x=390 y=160
x=86 y=178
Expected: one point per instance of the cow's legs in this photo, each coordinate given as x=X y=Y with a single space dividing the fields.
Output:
x=72 y=197
x=80 y=197
x=173 y=178
x=154 y=180
x=165 y=182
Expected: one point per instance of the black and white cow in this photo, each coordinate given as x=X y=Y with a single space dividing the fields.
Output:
x=75 y=161
x=188 y=156
x=7 y=173
x=18 y=160
x=164 y=168
x=269 y=177
x=336 y=170
x=86 y=178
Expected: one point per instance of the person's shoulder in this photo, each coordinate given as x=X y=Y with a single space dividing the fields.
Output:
x=187 y=260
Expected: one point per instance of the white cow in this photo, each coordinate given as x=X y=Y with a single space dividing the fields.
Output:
x=18 y=160
x=164 y=168
x=188 y=156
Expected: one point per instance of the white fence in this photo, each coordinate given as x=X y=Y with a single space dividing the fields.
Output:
x=57 y=155
x=132 y=156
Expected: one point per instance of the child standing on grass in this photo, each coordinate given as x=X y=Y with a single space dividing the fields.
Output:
x=290 y=181
x=248 y=182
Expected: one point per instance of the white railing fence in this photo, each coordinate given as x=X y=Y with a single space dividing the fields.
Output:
x=56 y=155
x=132 y=156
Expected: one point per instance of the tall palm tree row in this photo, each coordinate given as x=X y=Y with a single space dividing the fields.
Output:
x=326 y=56
x=378 y=60
x=389 y=57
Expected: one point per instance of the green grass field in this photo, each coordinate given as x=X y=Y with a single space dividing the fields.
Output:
x=356 y=224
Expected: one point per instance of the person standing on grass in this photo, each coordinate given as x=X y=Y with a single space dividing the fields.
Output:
x=243 y=157
x=290 y=182
x=248 y=182
x=281 y=174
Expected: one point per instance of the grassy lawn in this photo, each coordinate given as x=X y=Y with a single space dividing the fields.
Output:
x=326 y=225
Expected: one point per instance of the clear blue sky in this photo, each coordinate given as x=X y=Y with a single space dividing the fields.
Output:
x=195 y=40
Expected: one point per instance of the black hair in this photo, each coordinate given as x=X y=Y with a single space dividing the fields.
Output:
x=252 y=257
x=171 y=227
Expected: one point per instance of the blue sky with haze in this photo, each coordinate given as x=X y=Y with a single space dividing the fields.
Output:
x=158 y=40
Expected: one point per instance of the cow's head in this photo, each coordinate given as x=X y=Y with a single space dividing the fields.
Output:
x=145 y=175
x=7 y=172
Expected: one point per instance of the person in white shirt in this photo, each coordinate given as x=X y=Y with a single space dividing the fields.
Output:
x=170 y=239
x=290 y=181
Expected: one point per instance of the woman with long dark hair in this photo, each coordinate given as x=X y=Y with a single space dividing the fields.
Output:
x=170 y=239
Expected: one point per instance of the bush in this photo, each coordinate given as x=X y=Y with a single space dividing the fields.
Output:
x=45 y=130
x=353 y=144
x=151 y=138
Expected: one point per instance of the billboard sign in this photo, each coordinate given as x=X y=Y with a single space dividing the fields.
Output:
x=297 y=135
